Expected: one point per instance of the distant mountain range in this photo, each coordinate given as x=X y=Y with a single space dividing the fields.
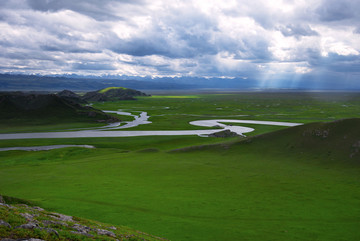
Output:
x=14 y=82
x=10 y=82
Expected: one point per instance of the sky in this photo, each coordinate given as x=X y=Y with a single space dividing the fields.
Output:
x=277 y=43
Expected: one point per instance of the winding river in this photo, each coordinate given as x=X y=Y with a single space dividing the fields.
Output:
x=112 y=130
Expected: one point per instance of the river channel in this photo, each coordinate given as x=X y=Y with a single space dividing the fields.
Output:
x=115 y=129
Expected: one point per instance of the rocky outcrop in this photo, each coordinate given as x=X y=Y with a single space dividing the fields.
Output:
x=223 y=134
x=31 y=239
x=5 y=224
x=36 y=224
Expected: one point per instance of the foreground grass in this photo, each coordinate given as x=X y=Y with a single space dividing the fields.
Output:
x=272 y=187
x=293 y=184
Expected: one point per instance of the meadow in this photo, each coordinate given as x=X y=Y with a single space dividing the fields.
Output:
x=278 y=184
x=175 y=112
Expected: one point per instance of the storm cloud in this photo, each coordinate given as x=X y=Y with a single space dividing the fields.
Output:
x=269 y=41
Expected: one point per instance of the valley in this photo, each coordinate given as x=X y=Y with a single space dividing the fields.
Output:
x=278 y=183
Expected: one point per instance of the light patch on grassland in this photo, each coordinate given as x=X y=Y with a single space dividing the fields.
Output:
x=111 y=88
x=175 y=96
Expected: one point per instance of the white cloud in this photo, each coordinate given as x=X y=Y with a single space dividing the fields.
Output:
x=235 y=38
x=302 y=69
x=341 y=49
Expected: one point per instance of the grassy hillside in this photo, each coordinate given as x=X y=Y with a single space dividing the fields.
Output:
x=337 y=140
x=112 y=93
x=299 y=183
x=27 y=112
x=111 y=88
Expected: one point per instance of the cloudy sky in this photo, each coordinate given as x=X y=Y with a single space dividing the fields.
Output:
x=274 y=42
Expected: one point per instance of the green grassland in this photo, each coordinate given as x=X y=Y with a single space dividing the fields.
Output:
x=111 y=88
x=20 y=124
x=175 y=112
x=299 y=183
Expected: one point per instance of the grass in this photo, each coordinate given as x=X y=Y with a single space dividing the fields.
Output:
x=205 y=197
x=175 y=96
x=291 y=184
x=176 y=113
x=19 y=125
x=258 y=190
x=55 y=117
x=111 y=88
x=163 y=143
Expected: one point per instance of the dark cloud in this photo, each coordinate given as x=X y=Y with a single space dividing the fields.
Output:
x=143 y=47
x=256 y=49
x=98 y=9
x=338 y=63
x=345 y=67
x=147 y=63
x=93 y=66
x=188 y=35
x=67 y=48
x=24 y=55
x=298 y=30
x=334 y=10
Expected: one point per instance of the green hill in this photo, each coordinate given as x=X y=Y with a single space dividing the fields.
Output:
x=337 y=140
x=111 y=88
x=325 y=143
x=113 y=93
x=71 y=97
x=35 y=110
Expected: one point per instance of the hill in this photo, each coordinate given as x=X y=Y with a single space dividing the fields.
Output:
x=25 y=112
x=337 y=140
x=22 y=220
x=71 y=97
x=113 y=93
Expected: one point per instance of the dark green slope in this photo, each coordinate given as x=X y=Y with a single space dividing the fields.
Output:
x=23 y=112
x=338 y=140
x=327 y=140
x=37 y=106
x=71 y=97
